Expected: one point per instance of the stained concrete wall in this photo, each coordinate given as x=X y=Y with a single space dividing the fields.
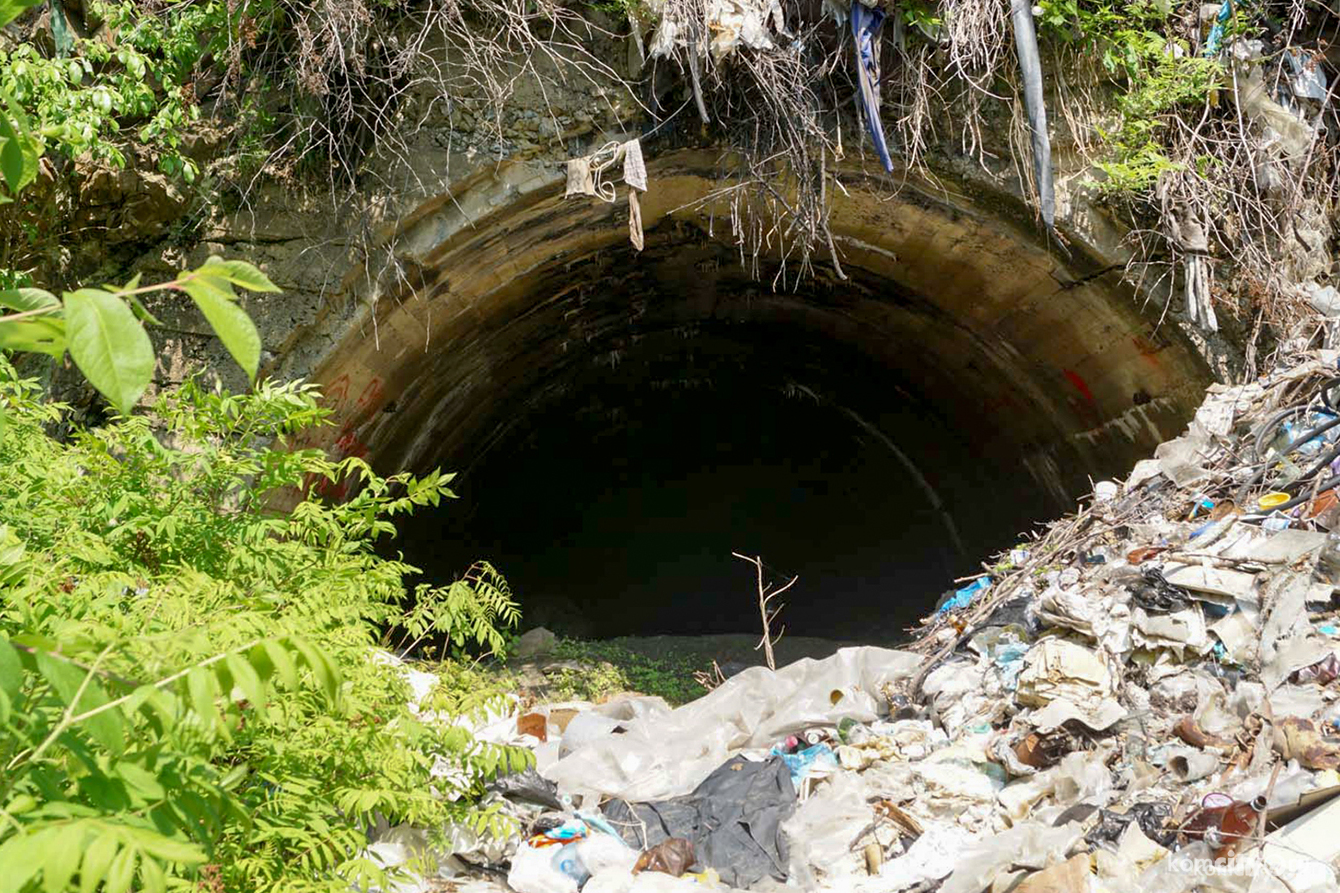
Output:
x=1039 y=348
x=459 y=285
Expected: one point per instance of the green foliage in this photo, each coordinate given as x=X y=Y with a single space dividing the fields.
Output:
x=82 y=101
x=466 y=688
x=188 y=690
x=1161 y=84
x=613 y=668
x=103 y=327
x=109 y=345
x=1135 y=169
x=143 y=76
x=19 y=149
x=473 y=610
x=11 y=9
x=1158 y=73
x=921 y=14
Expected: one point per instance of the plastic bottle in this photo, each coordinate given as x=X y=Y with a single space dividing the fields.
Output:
x=1228 y=829
x=568 y=861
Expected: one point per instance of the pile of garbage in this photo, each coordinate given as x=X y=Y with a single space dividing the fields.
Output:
x=1143 y=698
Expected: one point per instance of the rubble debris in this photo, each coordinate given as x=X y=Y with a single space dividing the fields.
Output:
x=1226 y=827
x=1070 y=876
x=666 y=755
x=534 y=724
x=1028 y=845
x=1299 y=739
x=1189 y=730
x=1060 y=724
x=1057 y=669
x=527 y=786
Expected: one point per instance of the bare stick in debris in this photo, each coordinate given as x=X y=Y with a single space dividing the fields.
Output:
x=710 y=680
x=1261 y=818
x=766 y=612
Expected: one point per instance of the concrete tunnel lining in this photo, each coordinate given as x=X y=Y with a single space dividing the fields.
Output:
x=1005 y=373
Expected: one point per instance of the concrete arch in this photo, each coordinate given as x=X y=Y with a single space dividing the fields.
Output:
x=1046 y=354
x=623 y=420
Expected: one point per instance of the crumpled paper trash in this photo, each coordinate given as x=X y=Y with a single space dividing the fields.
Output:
x=731 y=24
x=1058 y=669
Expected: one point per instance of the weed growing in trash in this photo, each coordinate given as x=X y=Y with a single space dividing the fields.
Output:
x=467 y=688
x=612 y=668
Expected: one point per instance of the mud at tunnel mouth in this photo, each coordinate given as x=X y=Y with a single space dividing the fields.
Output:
x=623 y=421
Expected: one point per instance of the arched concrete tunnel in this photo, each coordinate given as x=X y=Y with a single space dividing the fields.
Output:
x=622 y=421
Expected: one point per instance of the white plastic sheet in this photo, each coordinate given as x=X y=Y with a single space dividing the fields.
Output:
x=1030 y=845
x=664 y=756
x=933 y=856
x=533 y=872
x=821 y=832
x=1080 y=776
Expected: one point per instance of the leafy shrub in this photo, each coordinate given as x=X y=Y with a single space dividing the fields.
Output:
x=1164 y=79
x=189 y=689
x=103 y=328
x=83 y=100
x=611 y=668
x=1157 y=74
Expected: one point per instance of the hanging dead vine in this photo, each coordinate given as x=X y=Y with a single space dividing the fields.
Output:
x=353 y=91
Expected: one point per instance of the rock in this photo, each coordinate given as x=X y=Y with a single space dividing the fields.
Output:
x=128 y=204
x=536 y=642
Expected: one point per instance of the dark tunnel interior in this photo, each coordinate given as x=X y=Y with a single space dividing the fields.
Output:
x=621 y=423
x=613 y=507
x=618 y=515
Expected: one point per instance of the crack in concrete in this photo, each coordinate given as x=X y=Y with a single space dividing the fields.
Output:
x=1067 y=285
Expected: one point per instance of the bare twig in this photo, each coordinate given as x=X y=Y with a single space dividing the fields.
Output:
x=766 y=612
x=710 y=680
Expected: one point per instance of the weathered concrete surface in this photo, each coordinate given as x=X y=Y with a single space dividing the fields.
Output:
x=508 y=290
x=486 y=295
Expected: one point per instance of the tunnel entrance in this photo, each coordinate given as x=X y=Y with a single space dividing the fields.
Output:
x=622 y=421
x=615 y=504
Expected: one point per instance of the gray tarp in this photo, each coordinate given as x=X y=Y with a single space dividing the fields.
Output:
x=733 y=818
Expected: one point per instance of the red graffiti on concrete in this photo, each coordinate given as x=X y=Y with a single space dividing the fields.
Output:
x=1088 y=410
x=346 y=442
x=1147 y=349
x=1074 y=378
x=337 y=392
x=371 y=394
